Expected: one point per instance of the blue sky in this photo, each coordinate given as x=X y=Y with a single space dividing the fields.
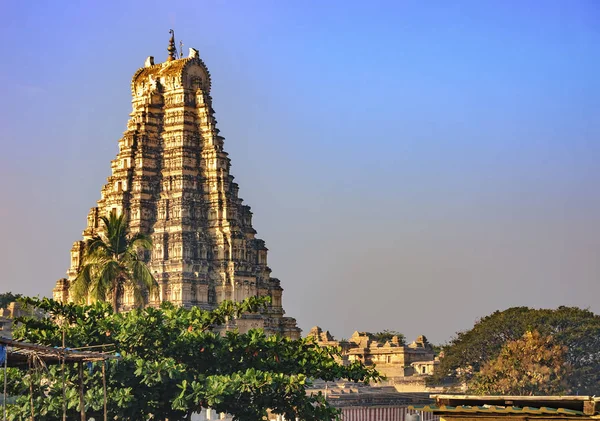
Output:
x=411 y=165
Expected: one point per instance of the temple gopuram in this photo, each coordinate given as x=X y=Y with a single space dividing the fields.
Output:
x=171 y=178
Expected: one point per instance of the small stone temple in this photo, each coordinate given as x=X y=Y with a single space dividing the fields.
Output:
x=171 y=178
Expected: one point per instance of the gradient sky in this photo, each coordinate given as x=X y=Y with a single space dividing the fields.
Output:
x=411 y=165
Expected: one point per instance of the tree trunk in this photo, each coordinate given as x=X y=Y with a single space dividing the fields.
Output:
x=115 y=300
x=30 y=363
x=104 y=389
x=117 y=292
x=81 y=392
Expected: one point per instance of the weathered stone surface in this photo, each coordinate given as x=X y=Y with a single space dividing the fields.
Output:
x=391 y=359
x=172 y=179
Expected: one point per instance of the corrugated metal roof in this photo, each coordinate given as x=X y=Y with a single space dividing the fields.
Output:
x=515 y=397
x=496 y=409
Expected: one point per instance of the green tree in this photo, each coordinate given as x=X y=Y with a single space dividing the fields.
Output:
x=531 y=365
x=174 y=363
x=437 y=349
x=387 y=335
x=572 y=327
x=8 y=297
x=113 y=261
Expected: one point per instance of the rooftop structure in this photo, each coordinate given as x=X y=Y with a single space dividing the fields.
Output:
x=490 y=408
x=28 y=355
x=392 y=358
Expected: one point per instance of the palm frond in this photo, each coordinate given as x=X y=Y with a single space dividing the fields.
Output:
x=80 y=286
x=142 y=280
x=105 y=221
x=115 y=232
x=97 y=249
x=94 y=245
x=119 y=233
x=139 y=298
x=106 y=280
x=111 y=261
x=100 y=291
x=140 y=241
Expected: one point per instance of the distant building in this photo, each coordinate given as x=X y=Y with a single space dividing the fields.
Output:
x=356 y=401
x=12 y=311
x=359 y=402
x=392 y=358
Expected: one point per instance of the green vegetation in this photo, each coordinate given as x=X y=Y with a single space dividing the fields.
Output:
x=174 y=363
x=574 y=329
x=112 y=262
x=8 y=297
x=531 y=365
x=387 y=335
x=437 y=349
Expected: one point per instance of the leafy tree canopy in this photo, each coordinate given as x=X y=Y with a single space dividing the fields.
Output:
x=387 y=335
x=437 y=349
x=531 y=365
x=576 y=329
x=8 y=297
x=174 y=363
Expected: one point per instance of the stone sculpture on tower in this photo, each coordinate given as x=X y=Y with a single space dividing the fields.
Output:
x=171 y=179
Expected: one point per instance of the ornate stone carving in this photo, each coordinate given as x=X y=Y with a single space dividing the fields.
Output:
x=171 y=178
x=392 y=359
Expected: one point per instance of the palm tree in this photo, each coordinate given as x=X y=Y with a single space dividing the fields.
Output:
x=111 y=263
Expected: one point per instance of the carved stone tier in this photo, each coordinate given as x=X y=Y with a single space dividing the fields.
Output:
x=171 y=179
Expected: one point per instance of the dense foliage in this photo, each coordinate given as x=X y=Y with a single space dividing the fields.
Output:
x=113 y=260
x=175 y=364
x=571 y=327
x=8 y=297
x=531 y=365
x=387 y=335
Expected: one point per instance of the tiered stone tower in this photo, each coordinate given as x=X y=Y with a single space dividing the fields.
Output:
x=171 y=178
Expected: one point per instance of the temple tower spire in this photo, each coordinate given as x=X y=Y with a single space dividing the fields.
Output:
x=171 y=48
x=171 y=178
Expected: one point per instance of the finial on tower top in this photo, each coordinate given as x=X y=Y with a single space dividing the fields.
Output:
x=171 y=49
